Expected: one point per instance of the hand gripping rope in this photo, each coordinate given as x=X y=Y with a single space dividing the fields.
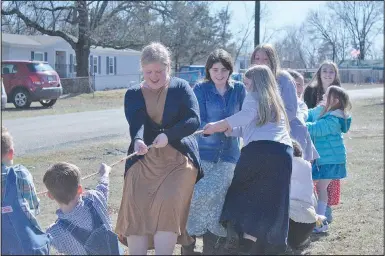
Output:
x=117 y=162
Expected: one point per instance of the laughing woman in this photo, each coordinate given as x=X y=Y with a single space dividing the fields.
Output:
x=218 y=97
x=158 y=185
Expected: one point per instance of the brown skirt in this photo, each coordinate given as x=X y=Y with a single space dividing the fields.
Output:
x=157 y=194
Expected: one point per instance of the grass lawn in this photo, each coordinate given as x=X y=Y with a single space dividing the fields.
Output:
x=358 y=220
x=98 y=101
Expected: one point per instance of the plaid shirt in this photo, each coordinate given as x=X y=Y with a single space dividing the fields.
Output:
x=80 y=216
x=25 y=190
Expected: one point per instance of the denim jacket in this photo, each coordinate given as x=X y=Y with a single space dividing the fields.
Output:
x=214 y=107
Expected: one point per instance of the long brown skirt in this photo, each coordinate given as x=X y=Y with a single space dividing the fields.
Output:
x=157 y=194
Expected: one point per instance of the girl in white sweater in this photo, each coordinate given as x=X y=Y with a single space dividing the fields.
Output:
x=301 y=212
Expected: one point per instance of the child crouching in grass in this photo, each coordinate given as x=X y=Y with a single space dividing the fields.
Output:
x=83 y=226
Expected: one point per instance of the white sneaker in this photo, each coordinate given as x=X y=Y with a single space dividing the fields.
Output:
x=322 y=224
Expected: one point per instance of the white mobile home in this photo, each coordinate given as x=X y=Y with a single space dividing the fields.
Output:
x=111 y=68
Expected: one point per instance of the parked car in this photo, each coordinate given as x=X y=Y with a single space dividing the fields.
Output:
x=3 y=96
x=29 y=81
x=192 y=74
x=237 y=77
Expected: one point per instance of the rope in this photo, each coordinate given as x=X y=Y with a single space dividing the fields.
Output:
x=117 y=162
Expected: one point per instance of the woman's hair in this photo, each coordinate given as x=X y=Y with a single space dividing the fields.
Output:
x=265 y=89
x=342 y=95
x=295 y=74
x=316 y=81
x=156 y=52
x=219 y=55
x=271 y=54
x=297 y=149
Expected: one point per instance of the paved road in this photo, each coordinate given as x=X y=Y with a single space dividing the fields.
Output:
x=42 y=133
x=53 y=132
x=366 y=93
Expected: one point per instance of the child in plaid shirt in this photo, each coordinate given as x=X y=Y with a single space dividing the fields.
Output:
x=80 y=213
x=19 y=205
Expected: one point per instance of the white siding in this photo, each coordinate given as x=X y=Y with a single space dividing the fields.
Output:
x=127 y=71
x=5 y=52
x=127 y=63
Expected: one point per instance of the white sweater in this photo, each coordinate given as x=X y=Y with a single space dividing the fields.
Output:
x=301 y=192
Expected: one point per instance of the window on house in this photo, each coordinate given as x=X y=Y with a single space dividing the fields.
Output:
x=242 y=64
x=39 y=56
x=111 y=65
x=95 y=64
x=8 y=69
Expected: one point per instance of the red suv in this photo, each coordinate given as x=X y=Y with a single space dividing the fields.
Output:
x=28 y=81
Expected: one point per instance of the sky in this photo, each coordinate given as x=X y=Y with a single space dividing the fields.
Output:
x=289 y=13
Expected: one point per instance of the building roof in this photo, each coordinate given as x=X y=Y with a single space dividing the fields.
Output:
x=15 y=39
x=45 y=40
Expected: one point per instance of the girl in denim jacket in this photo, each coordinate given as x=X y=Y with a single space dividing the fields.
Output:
x=326 y=123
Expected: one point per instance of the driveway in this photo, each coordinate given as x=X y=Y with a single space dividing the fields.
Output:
x=54 y=132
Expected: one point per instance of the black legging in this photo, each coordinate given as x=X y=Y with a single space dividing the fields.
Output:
x=299 y=233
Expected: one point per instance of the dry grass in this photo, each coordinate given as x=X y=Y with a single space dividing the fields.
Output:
x=70 y=104
x=99 y=101
x=358 y=220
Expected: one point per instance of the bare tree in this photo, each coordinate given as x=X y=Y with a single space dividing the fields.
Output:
x=363 y=19
x=243 y=34
x=291 y=49
x=191 y=42
x=95 y=23
x=246 y=30
x=322 y=26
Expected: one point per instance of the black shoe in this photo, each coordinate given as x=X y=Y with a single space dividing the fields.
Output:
x=189 y=249
x=211 y=243
x=245 y=246
x=232 y=238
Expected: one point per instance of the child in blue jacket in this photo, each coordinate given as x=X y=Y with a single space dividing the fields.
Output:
x=326 y=123
x=21 y=233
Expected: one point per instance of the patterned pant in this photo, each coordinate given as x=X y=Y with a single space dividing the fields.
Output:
x=334 y=192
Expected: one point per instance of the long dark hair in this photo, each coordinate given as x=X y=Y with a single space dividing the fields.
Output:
x=316 y=81
x=219 y=55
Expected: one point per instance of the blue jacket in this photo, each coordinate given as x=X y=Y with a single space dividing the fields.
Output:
x=180 y=121
x=326 y=133
x=213 y=107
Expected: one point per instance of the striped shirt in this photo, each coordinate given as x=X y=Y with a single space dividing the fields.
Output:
x=80 y=216
x=26 y=192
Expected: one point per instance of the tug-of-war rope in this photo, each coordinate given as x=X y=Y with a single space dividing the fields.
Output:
x=117 y=162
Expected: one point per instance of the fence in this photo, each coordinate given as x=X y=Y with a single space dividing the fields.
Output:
x=351 y=75
x=96 y=82
x=77 y=85
x=66 y=70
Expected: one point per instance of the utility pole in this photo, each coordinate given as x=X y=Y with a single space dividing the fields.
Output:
x=257 y=18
